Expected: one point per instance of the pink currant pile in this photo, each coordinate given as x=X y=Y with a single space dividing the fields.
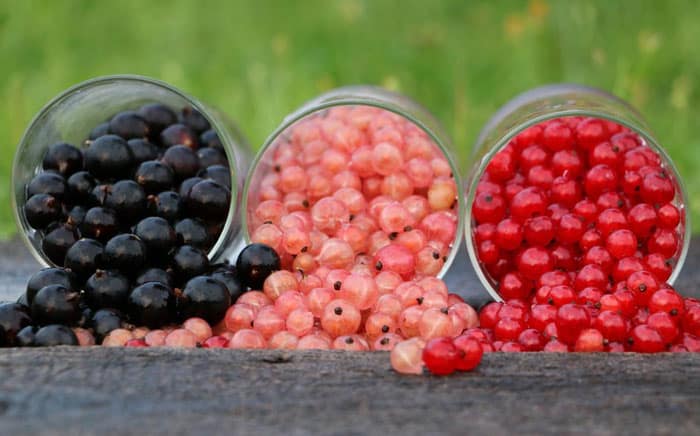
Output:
x=356 y=188
x=576 y=224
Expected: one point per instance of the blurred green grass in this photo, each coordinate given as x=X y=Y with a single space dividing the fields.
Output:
x=259 y=60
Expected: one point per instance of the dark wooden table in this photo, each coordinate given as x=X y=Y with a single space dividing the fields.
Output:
x=168 y=391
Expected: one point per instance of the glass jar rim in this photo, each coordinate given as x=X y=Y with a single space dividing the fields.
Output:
x=324 y=102
x=512 y=132
x=227 y=142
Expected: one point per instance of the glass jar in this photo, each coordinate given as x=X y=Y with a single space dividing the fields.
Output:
x=363 y=108
x=557 y=101
x=71 y=116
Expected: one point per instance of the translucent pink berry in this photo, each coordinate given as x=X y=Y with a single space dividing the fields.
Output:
x=340 y=318
x=335 y=253
x=377 y=241
x=268 y=322
x=313 y=342
x=256 y=299
x=300 y=322
x=278 y=282
x=434 y=323
x=420 y=172
x=429 y=262
x=433 y=284
x=319 y=186
x=247 y=338
x=295 y=201
x=466 y=312
x=350 y=343
x=181 y=338
x=441 y=168
x=270 y=211
x=355 y=236
x=136 y=343
x=389 y=304
x=268 y=234
x=199 y=327
x=407 y=356
x=309 y=282
x=380 y=323
x=417 y=206
x=413 y=239
x=283 y=340
x=394 y=218
x=433 y=299
x=140 y=332
x=442 y=193
x=215 y=342
x=409 y=294
x=397 y=186
x=334 y=161
x=361 y=161
x=352 y=198
x=295 y=241
x=117 y=338
x=289 y=301
x=409 y=321
x=397 y=258
x=239 y=316
x=318 y=298
x=85 y=338
x=441 y=226
x=386 y=158
x=386 y=342
x=360 y=290
x=155 y=338
x=346 y=179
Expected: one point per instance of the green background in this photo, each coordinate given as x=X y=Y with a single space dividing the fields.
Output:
x=259 y=60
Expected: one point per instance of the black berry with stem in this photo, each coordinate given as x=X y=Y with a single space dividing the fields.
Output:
x=230 y=280
x=208 y=200
x=158 y=116
x=25 y=337
x=160 y=238
x=143 y=150
x=210 y=139
x=57 y=241
x=54 y=335
x=194 y=119
x=191 y=231
x=104 y=321
x=128 y=200
x=84 y=257
x=98 y=195
x=155 y=177
x=126 y=253
x=255 y=263
x=41 y=210
x=49 y=276
x=218 y=173
x=80 y=185
x=56 y=304
x=13 y=318
x=64 y=158
x=187 y=184
x=166 y=205
x=107 y=288
x=109 y=157
x=183 y=161
x=101 y=130
x=188 y=262
x=179 y=134
x=100 y=224
x=151 y=304
x=209 y=156
x=47 y=182
x=155 y=275
x=206 y=298
x=128 y=125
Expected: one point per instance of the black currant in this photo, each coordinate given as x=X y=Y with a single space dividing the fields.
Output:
x=47 y=182
x=104 y=321
x=25 y=337
x=230 y=280
x=158 y=116
x=98 y=195
x=218 y=173
x=183 y=161
x=84 y=257
x=189 y=261
x=41 y=210
x=76 y=215
x=13 y=318
x=109 y=157
x=178 y=134
x=53 y=335
x=160 y=238
x=209 y=156
x=56 y=304
x=166 y=205
x=191 y=231
x=107 y=288
x=210 y=139
x=194 y=119
x=128 y=200
x=187 y=184
x=143 y=150
x=128 y=125
x=151 y=304
x=206 y=298
x=100 y=224
x=64 y=158
x=80 y=186
x=49 y=276
x=126 y=253
x=57 y=241
x=155 y=176
x=208 y=200
x=154 y=275
x=255 y=263
x=100 y=130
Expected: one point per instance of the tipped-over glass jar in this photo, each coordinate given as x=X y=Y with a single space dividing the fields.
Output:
x=60 y=172
x=358 y=179
x=568 y=187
